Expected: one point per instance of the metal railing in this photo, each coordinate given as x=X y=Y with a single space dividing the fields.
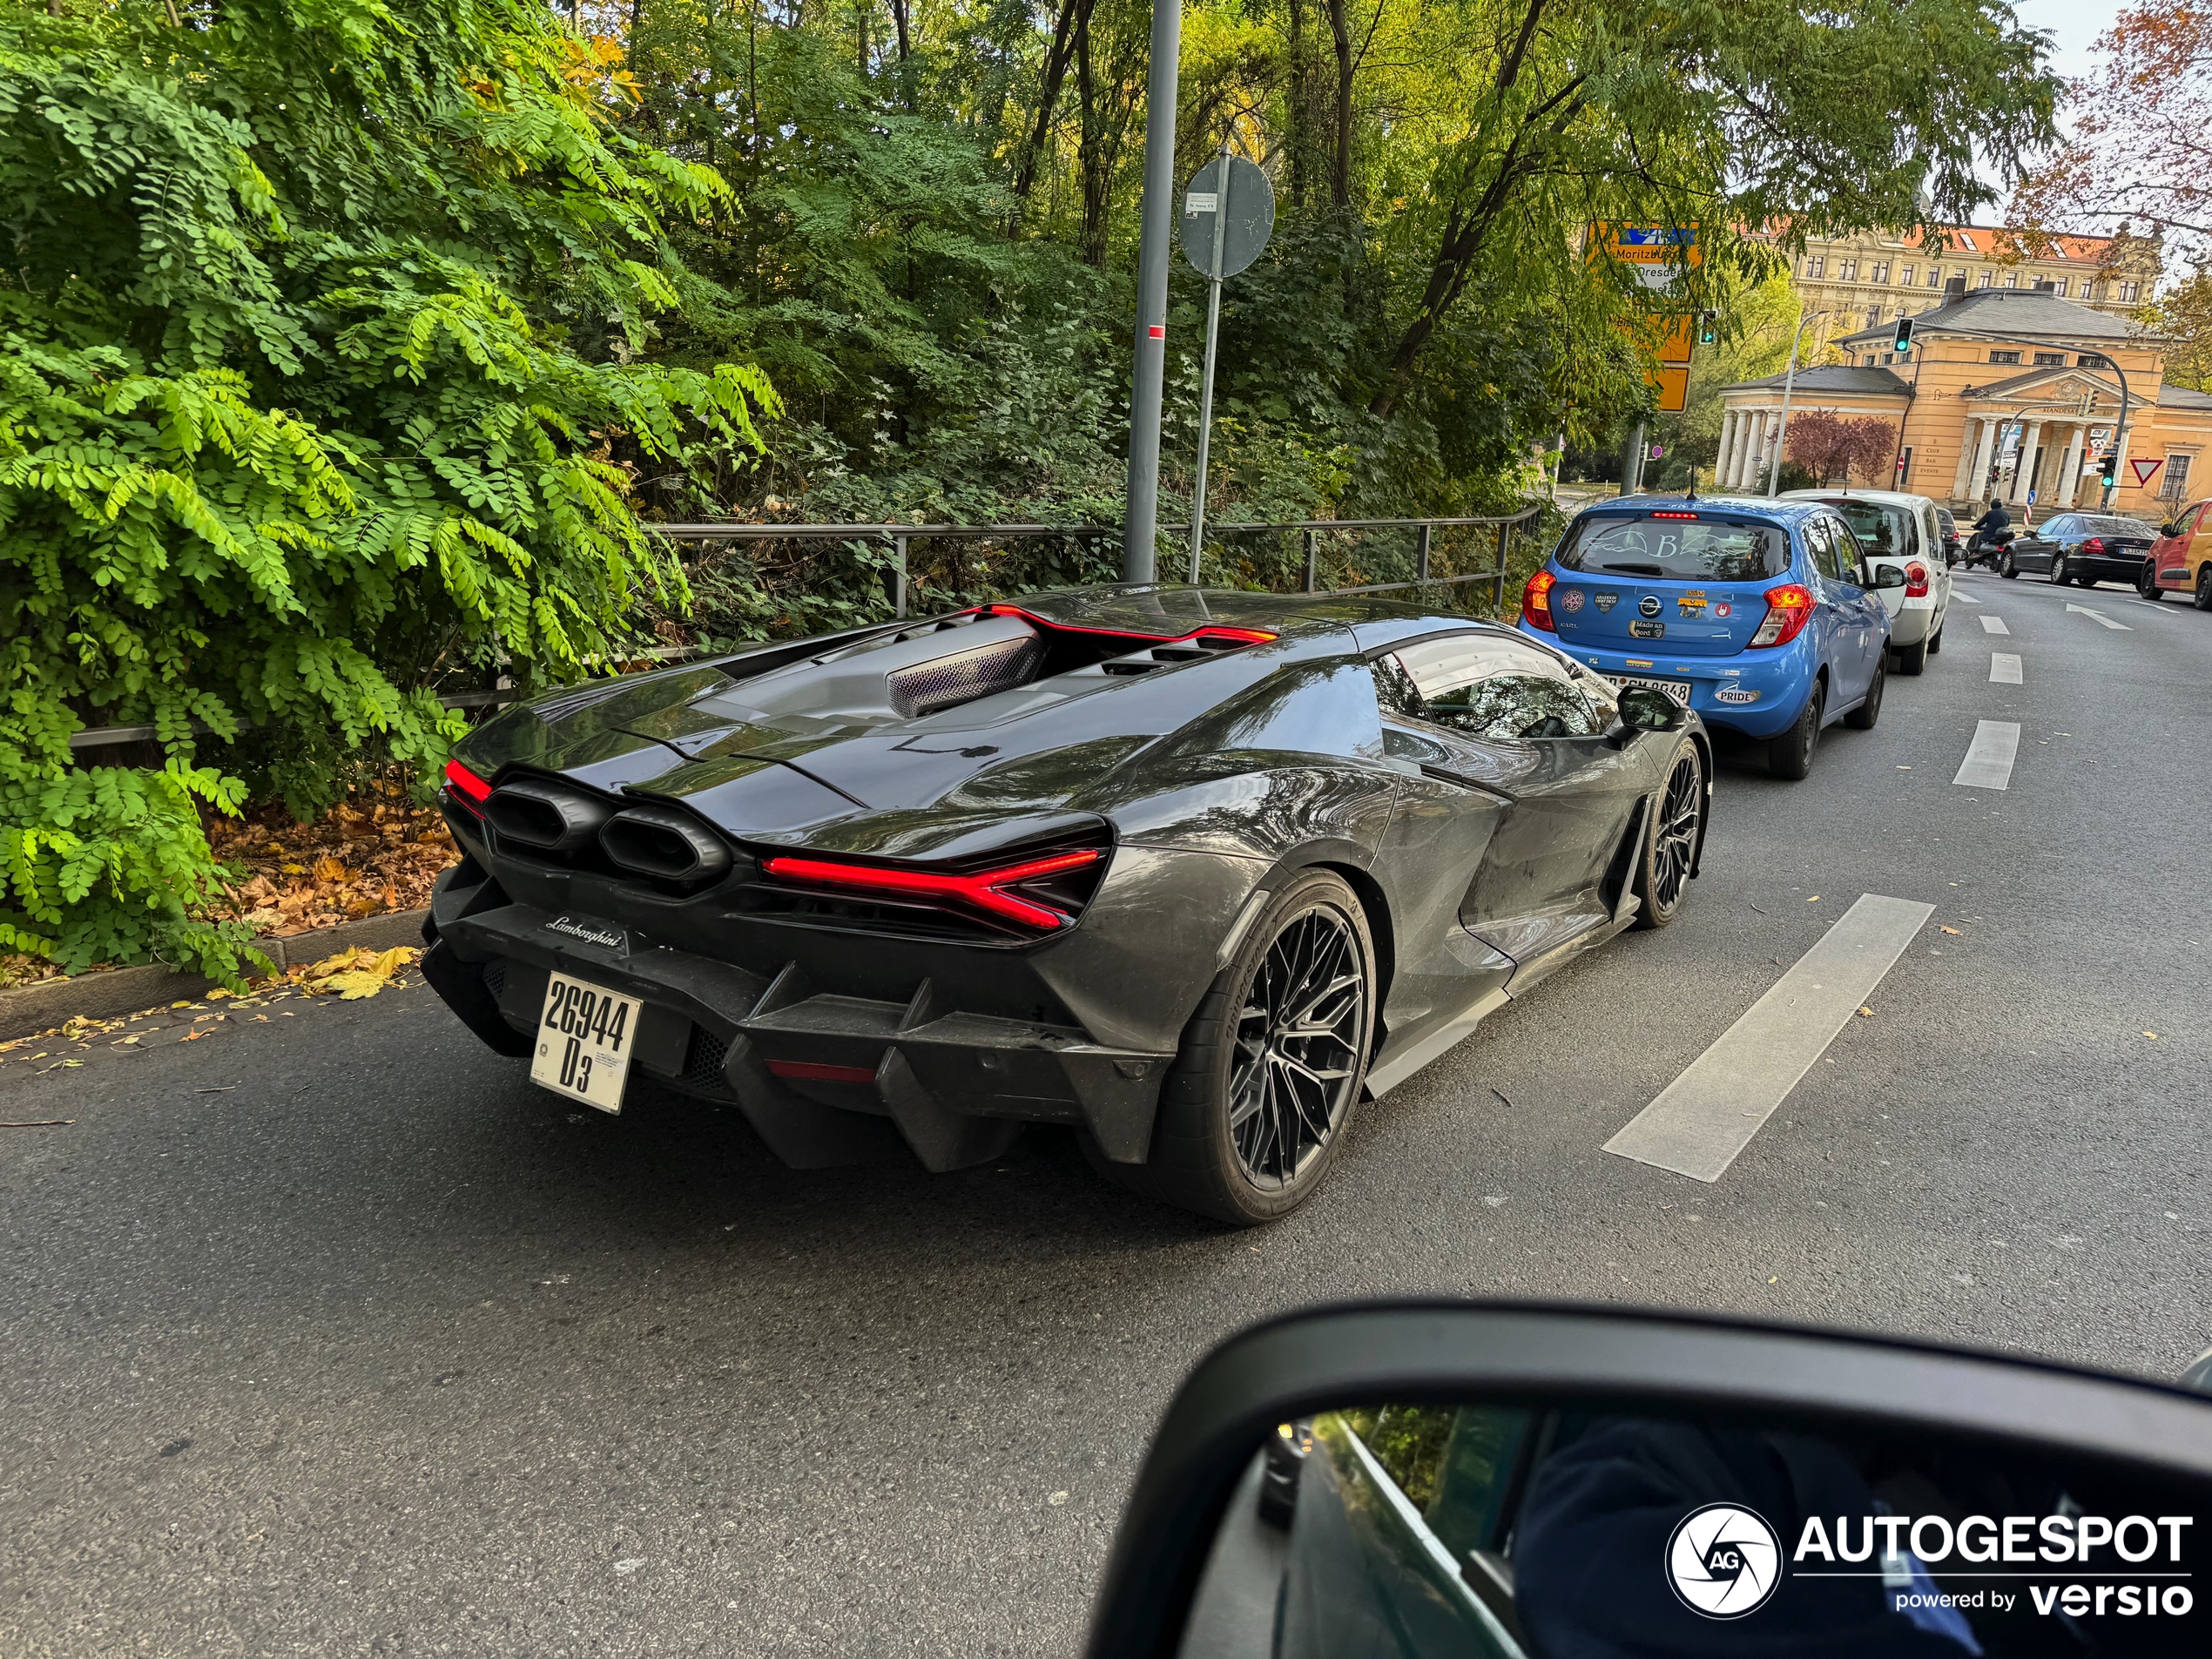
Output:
x=1311 y=530
x=900 y=536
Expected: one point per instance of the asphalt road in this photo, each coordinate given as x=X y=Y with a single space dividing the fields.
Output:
x=385 y=1350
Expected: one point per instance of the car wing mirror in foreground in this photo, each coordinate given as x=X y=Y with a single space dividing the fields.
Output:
x=1645 y=709
x=1400 y=1479
x=1882 y=576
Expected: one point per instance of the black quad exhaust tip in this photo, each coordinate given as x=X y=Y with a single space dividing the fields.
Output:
x=546 y=816
x=665 y=844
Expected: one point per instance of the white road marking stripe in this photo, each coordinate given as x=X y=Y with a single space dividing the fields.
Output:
x=1963 y=598
x=1993 y=624
x=2004 y=668
x=1989 y=757
x=1703 y=1119
x=2099 y=616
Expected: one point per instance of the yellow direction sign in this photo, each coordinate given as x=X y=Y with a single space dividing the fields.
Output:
x=1654 y=249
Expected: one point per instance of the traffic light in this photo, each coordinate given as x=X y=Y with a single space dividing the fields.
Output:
x=1903 y=345
x=2110 y=467
x=1707 y=327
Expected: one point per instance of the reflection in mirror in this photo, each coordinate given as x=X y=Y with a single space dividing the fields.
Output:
x=1392 y=1531
x=1648 y=710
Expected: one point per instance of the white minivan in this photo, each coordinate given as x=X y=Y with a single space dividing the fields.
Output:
x=1902 y=530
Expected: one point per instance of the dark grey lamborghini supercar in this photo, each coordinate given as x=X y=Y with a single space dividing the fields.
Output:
x=1189 y=870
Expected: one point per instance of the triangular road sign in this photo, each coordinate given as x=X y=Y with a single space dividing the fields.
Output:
x=2142 y=469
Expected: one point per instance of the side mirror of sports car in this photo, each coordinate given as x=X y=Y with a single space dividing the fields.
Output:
x=1645 y=709
x=1410 y=1479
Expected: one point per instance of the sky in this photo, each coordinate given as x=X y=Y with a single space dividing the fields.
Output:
x=2074 y=26
x=2074 y=22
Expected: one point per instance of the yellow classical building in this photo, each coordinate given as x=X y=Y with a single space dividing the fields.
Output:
x=2006 y=392
x=1873 y=277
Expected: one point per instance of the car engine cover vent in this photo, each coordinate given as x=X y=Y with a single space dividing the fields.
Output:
x=994 y=665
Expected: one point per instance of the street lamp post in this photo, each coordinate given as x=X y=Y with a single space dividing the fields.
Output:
x=1788 y=383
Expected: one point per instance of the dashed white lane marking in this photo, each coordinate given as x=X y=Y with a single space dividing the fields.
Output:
x=1989 y=757
x=2100 y=618
x=1993 y=624
x=1964 y=598
x=2004 y=668
x=1703 y=1119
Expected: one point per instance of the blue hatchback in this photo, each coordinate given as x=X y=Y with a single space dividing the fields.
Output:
x=1754 y=612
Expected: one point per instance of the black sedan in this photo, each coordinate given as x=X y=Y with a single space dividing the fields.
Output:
x=1191 y=872
x=2084 y=547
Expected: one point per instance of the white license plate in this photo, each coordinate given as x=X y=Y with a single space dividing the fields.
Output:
x=1676 y=692
x=585 y=1036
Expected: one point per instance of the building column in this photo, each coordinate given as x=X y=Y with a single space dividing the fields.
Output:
x=1725 y=453
x=2070 y=468
x=1970 y=440
x=1985 y=452
x=2024 y=468
x=1747 y=425
x=1770 y=444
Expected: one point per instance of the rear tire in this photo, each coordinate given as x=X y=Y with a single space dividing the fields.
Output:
x=2058 y=570
x=1260 y=1097
x=2006 y=568
x=1862 y=718
x=1790 y=756
x=1913 y=659
x=1935 y=644
x=1670 y=847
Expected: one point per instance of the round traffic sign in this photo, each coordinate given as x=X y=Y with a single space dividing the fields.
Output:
x=1230 y=197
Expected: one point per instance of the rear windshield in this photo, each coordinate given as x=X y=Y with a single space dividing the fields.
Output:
x=1690 y=550
x=2126 y=527
x=1879 y=529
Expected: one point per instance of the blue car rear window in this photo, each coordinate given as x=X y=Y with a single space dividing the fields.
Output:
x=1686 y=550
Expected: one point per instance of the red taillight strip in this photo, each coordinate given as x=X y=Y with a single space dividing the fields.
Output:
x=985 y=889
x=465 y=782
x=1209 y=630
x=809 y=1071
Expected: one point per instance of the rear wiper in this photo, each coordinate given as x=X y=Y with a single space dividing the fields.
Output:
x=1639 y=569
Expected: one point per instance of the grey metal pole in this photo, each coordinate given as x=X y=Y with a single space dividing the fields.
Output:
x=1155 y=245
x=1788 y=384
x=1632 y=462
x=1205 y=390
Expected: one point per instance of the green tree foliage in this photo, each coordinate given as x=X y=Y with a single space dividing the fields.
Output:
x=320 y=330
x=937 y=226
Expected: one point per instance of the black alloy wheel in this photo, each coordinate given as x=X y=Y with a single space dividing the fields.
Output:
x=1790 y=756
x=1862 y=718
x=2204 y=587
x=2006 y=568
x=2147 y=584
x=1258 y=1101
x=1670 y=850
x=1300 y=1037
x=2057 y=570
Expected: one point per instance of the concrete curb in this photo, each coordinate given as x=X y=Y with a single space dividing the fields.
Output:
x=127 y=990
